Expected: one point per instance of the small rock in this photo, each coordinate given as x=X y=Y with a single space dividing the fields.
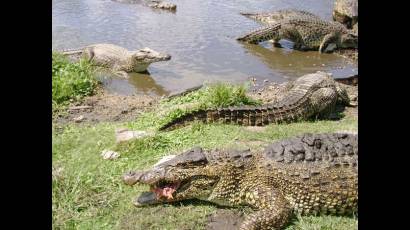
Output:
x=109 y=155
x=123 y=134
x=57 y=172
x=79 y=118
x=162 y=5
x=266 y=80
x=323 y=65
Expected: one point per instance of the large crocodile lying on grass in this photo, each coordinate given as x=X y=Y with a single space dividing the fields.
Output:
x=276 y=16
x=308 y=174
x=307 y=32
x=346 y=12
x=117 y=58
x=152 y=3
x=310 y=96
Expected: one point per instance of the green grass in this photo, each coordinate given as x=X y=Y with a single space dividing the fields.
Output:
x=70 y=81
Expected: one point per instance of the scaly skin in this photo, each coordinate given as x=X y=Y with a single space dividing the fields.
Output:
x=310 y=96
x=119 y=59
x=346 y=12
x=308 y=33
x=307 y=174
x=276 y=16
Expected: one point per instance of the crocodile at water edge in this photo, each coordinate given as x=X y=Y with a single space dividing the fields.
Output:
x=117 y=58
x=308 y=33
x=310 y=96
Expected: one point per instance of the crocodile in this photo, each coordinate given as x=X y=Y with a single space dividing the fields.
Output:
x=346 y=12
x=151 y=3
x=309 y=174
x=117 y=58
x=308 y=33
x=310 y=96
x=276 y=16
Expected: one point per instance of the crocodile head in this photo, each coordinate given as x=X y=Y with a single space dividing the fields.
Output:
x=144 y=57
x=185 y=176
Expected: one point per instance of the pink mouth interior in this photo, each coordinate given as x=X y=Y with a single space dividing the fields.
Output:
x=166 y=191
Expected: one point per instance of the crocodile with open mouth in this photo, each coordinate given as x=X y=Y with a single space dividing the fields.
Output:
x=306 y=174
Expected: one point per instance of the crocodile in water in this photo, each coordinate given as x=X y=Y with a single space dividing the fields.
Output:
x=308 y=33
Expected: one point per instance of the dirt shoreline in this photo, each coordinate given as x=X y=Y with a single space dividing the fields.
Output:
x=106 y=107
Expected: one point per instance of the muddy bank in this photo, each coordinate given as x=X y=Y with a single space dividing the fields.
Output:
x=106 y=107
x=350 y=55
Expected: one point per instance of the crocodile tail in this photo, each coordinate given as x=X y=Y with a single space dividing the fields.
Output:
x=260 y=35
x=245 y=116
x=72 y=52
x=200 y=115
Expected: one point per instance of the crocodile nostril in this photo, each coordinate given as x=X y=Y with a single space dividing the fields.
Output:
x=131 y=178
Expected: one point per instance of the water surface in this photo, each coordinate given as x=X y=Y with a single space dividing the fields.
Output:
x=200 y=36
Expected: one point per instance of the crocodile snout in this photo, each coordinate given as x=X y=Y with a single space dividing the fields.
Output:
x=132 y=178
x=166 y=57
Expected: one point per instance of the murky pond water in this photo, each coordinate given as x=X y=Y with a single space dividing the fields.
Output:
x=200 y=36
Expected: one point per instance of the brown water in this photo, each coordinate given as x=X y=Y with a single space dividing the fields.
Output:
x=200 y=36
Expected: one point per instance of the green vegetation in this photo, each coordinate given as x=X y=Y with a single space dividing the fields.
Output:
x=71 y=81
x=88 y=193
x=211 y=96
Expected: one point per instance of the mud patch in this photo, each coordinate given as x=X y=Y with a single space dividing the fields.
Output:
x=227 y=219
x=107 y=107
x=351 y=55
x=270 y=92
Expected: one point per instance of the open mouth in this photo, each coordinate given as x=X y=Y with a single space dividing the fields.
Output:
x=161 y=191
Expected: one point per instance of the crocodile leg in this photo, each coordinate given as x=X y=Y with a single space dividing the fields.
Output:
x=328 y=39
x=88 y=54
x=273 y=210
